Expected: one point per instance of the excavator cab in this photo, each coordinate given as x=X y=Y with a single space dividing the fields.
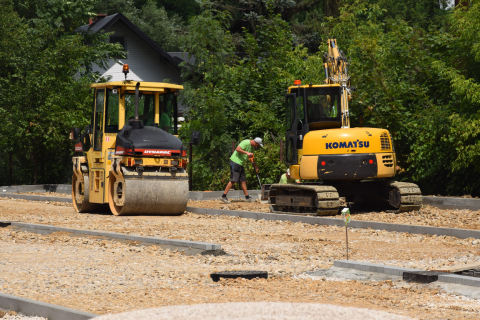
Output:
x=353 y=163
x=309 y=108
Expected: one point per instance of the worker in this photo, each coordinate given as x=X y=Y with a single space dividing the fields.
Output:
x=237 y=162
x=286 y=178
x=165 y=122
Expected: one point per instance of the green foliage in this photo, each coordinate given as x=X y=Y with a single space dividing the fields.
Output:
x=44 y=87
x=158 y=25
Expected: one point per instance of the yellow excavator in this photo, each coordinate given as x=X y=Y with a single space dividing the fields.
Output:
x=355 y=163
x=129 y=160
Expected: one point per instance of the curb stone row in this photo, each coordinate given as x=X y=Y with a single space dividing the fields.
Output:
x=398 y=271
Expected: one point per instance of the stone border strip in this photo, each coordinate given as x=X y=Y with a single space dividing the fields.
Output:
x=121 y=236
x=455 y=278
x=35 y=198
x=30 y=307
x=438 y=202
x=193 y=195
x=372 y=267
x=212 y=195
x=398 y=271
x=452 y=203
x=60 y=188
x=452 y=232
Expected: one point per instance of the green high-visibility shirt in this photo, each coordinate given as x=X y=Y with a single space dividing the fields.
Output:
x=164 y=121
x=241 y=158
x=284 y=179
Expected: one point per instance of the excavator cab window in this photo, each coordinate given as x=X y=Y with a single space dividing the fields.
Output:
x=111 y=112
x=300 y=112
x=323 y=104
x=289 y=112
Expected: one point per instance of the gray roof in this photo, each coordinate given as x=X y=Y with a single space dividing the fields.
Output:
x=104 y=23
x=182 y=56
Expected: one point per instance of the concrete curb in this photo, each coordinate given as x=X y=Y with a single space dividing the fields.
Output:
x=211 y=195
x=398 y=271
x=36 y=308
x=452 y=203
x=455 y=278
x=172 y=242
x=35 y=198
x=458 y=233
x=372 y=267
x=438 y=202
x=60 y=188
x=193 y=195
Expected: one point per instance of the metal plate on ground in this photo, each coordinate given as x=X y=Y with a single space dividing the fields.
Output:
x=239 y=274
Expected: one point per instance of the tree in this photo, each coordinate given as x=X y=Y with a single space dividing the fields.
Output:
x=45 y=86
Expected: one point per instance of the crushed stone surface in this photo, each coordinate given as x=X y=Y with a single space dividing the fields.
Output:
x=426 y=216
x=12 y=315
x=47 y=194
x=106 y=276
x=255 y=311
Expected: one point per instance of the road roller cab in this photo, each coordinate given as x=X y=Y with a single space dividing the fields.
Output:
x=129 y=159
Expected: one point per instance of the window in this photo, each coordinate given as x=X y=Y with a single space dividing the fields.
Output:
x=146 y=108
x=323 y=104
x=289 y=111
x=99 y=105
x=122 y=41
x=111 y=112
x=167 y=106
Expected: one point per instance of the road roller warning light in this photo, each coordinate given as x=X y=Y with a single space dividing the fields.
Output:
x=130 y=166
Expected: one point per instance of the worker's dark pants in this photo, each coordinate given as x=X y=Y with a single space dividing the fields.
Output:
x=237 y=172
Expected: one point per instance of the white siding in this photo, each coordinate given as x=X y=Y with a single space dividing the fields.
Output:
x=145 y=64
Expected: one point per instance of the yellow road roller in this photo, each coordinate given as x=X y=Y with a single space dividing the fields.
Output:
x=129 y=159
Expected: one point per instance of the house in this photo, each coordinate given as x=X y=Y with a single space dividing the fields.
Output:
x=146 y=59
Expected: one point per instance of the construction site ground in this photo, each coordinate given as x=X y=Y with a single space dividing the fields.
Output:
x=102 y=276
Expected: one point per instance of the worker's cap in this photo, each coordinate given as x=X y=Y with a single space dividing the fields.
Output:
x=259 y=141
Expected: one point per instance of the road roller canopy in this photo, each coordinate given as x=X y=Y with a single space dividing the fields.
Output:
x=114 y=105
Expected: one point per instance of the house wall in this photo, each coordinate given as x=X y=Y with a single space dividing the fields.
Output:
x=145 y=64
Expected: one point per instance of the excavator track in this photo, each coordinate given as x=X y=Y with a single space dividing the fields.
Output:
x=324 y=200
x=314 y=200
x=402 y=196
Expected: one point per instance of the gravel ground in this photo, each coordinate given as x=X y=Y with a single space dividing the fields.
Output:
x=427 y=216
x=47 y=194
x=12 y=315
x=101 y=276
x=255 y=311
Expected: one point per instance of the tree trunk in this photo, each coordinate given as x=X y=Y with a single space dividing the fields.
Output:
x=35 y=167
x=10 y=169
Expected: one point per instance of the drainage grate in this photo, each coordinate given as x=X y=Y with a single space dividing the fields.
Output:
x=421 y=276
x=239 y=274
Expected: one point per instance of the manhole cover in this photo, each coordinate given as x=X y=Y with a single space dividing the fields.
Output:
x=239 y=274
